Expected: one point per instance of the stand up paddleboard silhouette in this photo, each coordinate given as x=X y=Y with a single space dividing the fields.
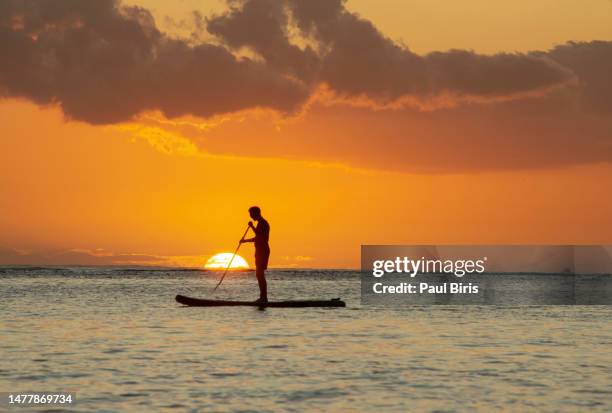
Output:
x=262 y=256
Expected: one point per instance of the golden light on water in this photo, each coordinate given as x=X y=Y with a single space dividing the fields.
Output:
x=222 y=260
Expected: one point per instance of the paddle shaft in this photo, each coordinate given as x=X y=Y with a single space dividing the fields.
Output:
x=233 y=256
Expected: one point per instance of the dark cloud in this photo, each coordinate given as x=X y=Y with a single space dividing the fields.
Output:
x=354 y=59
x=104 y=63
x=358 y=60
x=262 y=26
x=591 y=62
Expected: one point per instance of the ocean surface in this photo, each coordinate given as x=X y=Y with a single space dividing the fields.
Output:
x=117 y=338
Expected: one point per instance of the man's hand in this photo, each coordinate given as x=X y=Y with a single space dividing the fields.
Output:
x=241 y=241
x=251 y=225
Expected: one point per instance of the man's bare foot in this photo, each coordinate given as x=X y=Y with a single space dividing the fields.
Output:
x=261 y=300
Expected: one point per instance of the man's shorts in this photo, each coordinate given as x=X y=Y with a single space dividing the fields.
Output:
x=261 y=258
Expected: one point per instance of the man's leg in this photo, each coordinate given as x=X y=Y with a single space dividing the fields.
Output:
x=263 y=286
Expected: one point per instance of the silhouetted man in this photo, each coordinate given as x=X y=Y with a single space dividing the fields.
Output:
x=262 y=250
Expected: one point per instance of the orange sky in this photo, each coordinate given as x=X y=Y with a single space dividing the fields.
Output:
x=153 y=190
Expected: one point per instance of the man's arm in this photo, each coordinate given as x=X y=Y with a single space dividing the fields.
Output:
x=243 y=240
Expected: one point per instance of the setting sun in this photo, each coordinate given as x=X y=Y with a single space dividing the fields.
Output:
x=223 y=259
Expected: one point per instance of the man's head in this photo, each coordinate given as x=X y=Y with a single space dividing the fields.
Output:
x=255 y=213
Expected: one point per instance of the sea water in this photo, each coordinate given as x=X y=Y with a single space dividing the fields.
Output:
x=117 y=338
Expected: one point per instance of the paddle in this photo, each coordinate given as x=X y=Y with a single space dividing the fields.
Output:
x=230 y=263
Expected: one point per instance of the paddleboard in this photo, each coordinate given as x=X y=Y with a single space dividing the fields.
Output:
x=198 y=302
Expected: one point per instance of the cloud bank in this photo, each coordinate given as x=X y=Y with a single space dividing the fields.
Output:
x=102 y=62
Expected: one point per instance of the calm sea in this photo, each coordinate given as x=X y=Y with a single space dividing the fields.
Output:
x=117 y=338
